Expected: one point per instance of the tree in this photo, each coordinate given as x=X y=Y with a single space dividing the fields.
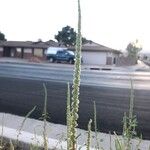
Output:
x=67 y=36
x=133 y=49
x=2 y=37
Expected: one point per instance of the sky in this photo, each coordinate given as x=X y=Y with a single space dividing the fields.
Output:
x=113 y=23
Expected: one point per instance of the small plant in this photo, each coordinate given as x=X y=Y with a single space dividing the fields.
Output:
x=1 y=140
x=34 y=147
x=129 y=125
x=89 y=135
x=95 y=127
x=44 y=117
x=23 y=122
x=130 y=121
x=11 y=146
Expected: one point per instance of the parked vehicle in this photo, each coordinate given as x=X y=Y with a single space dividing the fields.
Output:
x=56 y=54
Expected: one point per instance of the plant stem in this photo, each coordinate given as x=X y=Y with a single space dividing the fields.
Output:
x=89 y=135
x=76 y=83
x=45 y=119
x=23 y=122
x=95 y=126
x=68 y=116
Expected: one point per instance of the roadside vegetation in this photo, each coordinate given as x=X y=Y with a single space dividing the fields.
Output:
x=2 y=36
x=133 y=49
x=123 y=142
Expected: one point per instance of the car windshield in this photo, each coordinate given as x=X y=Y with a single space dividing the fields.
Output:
x=71 y=52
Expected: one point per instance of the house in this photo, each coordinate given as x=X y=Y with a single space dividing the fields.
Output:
x=96 y=54
x=92 y=53
x=25 y=49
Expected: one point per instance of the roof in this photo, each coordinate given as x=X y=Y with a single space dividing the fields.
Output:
x=95 y=47
x=88 y=46
x=29 y=44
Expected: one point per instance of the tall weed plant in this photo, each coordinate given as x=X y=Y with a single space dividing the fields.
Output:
x=72 y=139
x=129 y=122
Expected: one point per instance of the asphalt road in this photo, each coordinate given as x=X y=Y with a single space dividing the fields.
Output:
x=64 y=73
x=21 y=89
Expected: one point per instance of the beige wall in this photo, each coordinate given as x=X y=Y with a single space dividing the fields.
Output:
x=111 y=56
x=115 y=56
x=1 y=49
x=27 y=50
x=38 y=52
x=94 y=58
x=18 y=50
x=27 y=53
